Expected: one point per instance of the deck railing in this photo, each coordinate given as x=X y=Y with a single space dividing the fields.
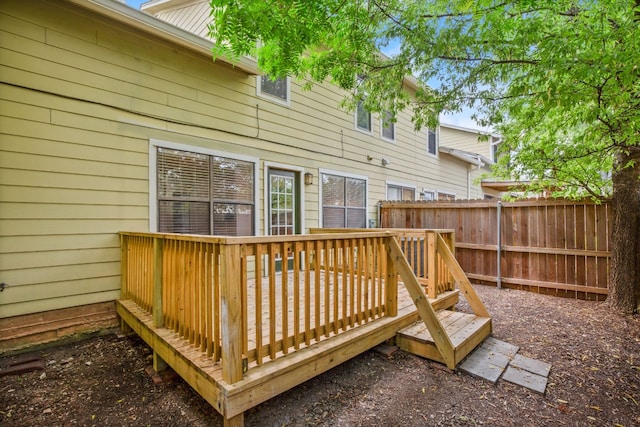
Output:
x=421 y=251
x=246 y=300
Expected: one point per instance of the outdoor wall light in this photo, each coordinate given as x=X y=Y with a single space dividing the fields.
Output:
x=308 y=178
x=385 y=162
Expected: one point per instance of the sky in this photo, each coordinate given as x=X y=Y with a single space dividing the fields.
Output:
x=462 y=119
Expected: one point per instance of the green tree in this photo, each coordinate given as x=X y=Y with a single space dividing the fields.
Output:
x=559 y=79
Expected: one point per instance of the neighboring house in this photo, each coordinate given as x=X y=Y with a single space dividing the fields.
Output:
x=468 y=145
x=114 y=120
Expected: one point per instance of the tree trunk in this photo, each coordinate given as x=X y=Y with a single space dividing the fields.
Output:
x=624 y=283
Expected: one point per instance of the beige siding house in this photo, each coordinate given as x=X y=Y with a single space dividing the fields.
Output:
x=466 y=144
x=114 y=120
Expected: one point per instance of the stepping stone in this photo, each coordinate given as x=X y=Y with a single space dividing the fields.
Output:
x=535 y=382
x=489 y=360
x=532 y=365
x=501 y=347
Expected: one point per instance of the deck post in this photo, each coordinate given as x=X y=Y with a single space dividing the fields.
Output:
x=124 y=291
x=157 y=282
x=231 y=313
x=124 y=251
x=391 y=283
x=158 y=322
x=432 y=265
x=451 y=242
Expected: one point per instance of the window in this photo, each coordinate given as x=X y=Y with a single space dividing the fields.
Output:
x=400 y=192
x=432 y=142
x=344 y=201
x=494 y=148
x=428 y=195
x=204 y=194
x=275 y=90
x=446 y=196
x=363 y=118
x=388 y=127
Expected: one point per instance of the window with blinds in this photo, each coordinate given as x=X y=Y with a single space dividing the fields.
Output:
x=203 y=194
x=344 y=202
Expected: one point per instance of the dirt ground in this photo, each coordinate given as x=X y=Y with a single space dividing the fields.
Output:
x=594 y=380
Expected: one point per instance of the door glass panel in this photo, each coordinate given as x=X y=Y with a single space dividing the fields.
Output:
x=282 y=203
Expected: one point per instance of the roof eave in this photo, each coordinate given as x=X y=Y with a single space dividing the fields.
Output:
x=141 y=21
x=471 y=158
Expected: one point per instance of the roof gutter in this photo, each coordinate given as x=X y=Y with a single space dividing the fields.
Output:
x=474 y=159
x=141 y=21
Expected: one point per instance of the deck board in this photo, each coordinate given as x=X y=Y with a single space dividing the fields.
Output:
x=465 y=331
x=273 y=377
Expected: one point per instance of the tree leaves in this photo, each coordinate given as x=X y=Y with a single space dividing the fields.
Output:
x=558 y=80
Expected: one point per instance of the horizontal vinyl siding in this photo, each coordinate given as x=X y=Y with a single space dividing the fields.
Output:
x=193 y=17
x=464 y=140
x=80 y=101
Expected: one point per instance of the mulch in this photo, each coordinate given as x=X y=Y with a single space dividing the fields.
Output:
x=594 y=380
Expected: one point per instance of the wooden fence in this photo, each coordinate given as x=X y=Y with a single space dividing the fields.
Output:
x=548 y=246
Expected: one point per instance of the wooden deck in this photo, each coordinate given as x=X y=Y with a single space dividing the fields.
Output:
x=216 y=311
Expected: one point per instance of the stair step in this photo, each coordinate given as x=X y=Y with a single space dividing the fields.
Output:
x=466 y=332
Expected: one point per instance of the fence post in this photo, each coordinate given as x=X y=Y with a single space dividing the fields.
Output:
x=499 y=246
x=231 y=313
x=432 y=265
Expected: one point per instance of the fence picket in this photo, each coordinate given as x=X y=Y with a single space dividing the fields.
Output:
x=548 y=246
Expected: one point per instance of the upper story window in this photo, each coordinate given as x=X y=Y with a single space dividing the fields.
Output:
x=277 y=90
x=432 y=142
x=495 y=141
x=344 y=201
x=363 y=118
x=388 y=127
x=200 y=193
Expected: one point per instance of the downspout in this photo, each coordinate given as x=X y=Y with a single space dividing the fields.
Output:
x=499 y=245
x=379 y=214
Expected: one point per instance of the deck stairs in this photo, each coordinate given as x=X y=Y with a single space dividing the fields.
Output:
x=443 y=335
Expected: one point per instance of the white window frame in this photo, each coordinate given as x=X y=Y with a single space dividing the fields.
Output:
x=300 y=171
x=270 y=97
x=434 y=194
x=436 y=131
x=355 y=120
x=398 y=184
x=346 y=175
x=153 y=179
x=494 y=148
x=393 y=126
